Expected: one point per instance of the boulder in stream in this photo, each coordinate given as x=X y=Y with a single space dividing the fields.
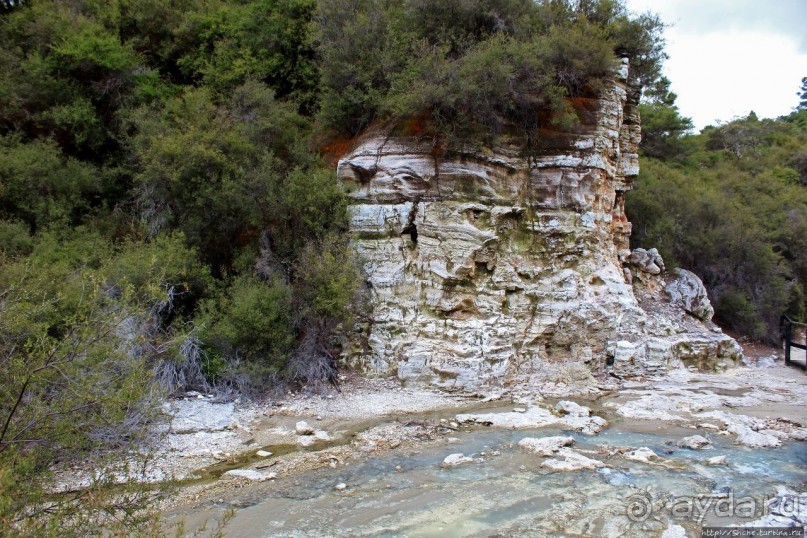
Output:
x=546 y=446
x=571 y=460
x=249 y=474
x=694 y=442
x=303 y=428
x=453 y=460
x=643 y=454
x=572 y=409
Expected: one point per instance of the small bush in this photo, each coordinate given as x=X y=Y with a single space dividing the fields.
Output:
x=250 y=326
x=162 y=273
x=14 y=239
x=40 y=186
x=328 y=293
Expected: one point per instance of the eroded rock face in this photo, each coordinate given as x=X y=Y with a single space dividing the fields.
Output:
x=486 y=266
x=687 y=291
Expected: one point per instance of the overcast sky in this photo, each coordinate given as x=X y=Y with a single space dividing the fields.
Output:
x=728 y=57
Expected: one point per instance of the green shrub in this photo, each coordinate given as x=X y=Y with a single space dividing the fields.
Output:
x=159 y=270
x=15 y=239
x=250 y=326
x=265 y=40
x=74 y=389
x=328 y=281
x=40 y=186
x=308 y=206
x=93 y=51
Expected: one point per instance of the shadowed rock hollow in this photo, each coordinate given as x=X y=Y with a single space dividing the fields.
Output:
x=491 y=268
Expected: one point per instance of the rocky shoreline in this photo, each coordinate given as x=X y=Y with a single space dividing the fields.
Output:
x=217 y=449
x=219 y=453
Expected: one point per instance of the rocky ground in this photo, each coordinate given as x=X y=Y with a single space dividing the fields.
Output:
x=204 y=433
x=217 y=451
x=220 y=448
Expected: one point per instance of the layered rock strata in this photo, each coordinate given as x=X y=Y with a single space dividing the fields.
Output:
x=489 y=267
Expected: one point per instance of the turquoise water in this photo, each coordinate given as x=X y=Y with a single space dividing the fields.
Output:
x=510 y=494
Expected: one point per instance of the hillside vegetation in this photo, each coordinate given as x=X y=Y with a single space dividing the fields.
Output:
x=729 y=204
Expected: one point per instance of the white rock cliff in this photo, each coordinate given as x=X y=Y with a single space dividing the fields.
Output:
x=491 y=268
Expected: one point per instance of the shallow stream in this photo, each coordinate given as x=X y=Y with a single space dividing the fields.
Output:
x=509 y=494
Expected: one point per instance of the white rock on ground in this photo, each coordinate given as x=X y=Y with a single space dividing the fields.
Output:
x=674 y=531
x=249 y=474
x=569 y=460
x=193 y=416
x=316 y=436
x=749 y=431
x=303 y=428
x=535 y=417
x=374 y=397
x=766 y=362
x=545 y=446
x=643 y=454
x=573 y=409
x=694 y=442
x=748 y=437
x=453 y=460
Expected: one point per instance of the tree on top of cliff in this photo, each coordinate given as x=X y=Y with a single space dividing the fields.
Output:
x=662 y=123
x=474 y=68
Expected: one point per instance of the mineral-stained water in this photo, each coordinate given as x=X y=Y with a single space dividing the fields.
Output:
x=508 y=493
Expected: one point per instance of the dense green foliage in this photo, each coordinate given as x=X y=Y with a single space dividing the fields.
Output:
x=472 y=69
x=138 y=119
x=158 y=195
x=729 y=204
x=167 y=221
x=79 y=324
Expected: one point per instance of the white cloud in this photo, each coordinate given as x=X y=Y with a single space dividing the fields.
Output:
x=784 y=17
x=730 y=57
